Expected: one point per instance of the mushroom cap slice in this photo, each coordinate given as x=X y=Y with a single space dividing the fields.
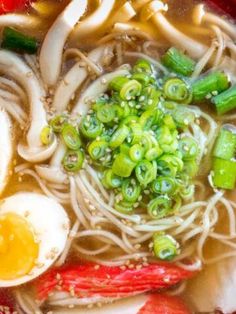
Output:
x=6 y=148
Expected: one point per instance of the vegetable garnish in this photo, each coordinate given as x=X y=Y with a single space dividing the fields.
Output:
x=225 y=101
x=164 y=304
x=224 y=163
x=89 y=280
x=17 y=41
x=7 y=6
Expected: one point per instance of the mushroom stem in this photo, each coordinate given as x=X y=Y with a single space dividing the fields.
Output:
x=97 y=88
x=6 y=148
x=94 y=21
x=125 y=13
x=194 y=48
x=73 y=80
x=51 y=52
x=19 y=20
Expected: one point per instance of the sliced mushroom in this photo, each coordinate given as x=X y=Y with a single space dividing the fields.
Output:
x=15 y=68
x=200 y=16
x=19 y=20
x=153 y=11
x=92 y=23
x=6 y=148
x=96 y=89
x=73 y=80
x=53 y=172
x=125 y=13
x=51 y=52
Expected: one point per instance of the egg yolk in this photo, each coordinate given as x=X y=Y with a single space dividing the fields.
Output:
x=18 y=249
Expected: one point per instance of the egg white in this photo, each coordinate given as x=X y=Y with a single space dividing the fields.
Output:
x=50 y=224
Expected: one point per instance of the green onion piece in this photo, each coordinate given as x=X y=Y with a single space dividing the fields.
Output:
x=224 y=173
x=119 y=111
x=169 y=122
x=136 y=133
x=159 y=207
x=123 y=166
x=191 y=168
x=119 y=136
x=129 y=120
x=118 y=82
x=136 y=152
x=106 y=113
x=164 y=185
x=150 y=97
x=212 y=84
x=124 y=148
x=58 y=122
x=71 y=137
x=97 y=149
x=225 y=145
x=143 y=66
x=47 y=135
x=225 y=101
x=178 y=62
x=17 y=41
x=110 y=180
x=188 y=147
x=130 y=90
x=153 y=153
x=130 y=190
x=145 y=172
x=142 y=78
x=165 y=247
x=183 y=117
x=147 y=119
x=124 y=207
x=164 y=135
x=73 y=160
x=91 y=127
x=187 y=192
x=169 y=165
x=177 y=90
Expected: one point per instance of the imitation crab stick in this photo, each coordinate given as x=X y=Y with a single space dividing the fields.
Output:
x=97 y=281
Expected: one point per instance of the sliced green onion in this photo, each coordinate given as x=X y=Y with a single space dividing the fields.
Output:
x=164 y=135
x=183 y=117
x=142 y=66
x=110 y=180
x=129 y=120
x=119 y=136
x=130 y=90
x=165 y=247
x=159 y=207
x=145 y=172
x=47 y=135
x=19 y=42
x=147 y=119
x=169 y=164
x=142 y=78
x=224 y=173
x=124 y=207
x=169 y=122
x=225 y=146
x=164 y=185
x=150 y=97
x=118 y=82
x=71 y=137
x=191 y=168
x=58 y=122
x=225 y=101
x=188 y=147
x=91 y=127
x=177 y=90
x=153 y=153
x=212 y=84
x=97 y=149
x=125 y=148
x=73 y=160
x=178 y=62
x=130 y=190
x=106 y=113
x=136 y=152
x=146 y=141
x=123 y=166
x=136 y=133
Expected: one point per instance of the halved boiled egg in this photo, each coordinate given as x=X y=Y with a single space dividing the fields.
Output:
x=33 y=233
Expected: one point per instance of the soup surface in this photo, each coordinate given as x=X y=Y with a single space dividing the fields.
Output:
x=117 y=157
